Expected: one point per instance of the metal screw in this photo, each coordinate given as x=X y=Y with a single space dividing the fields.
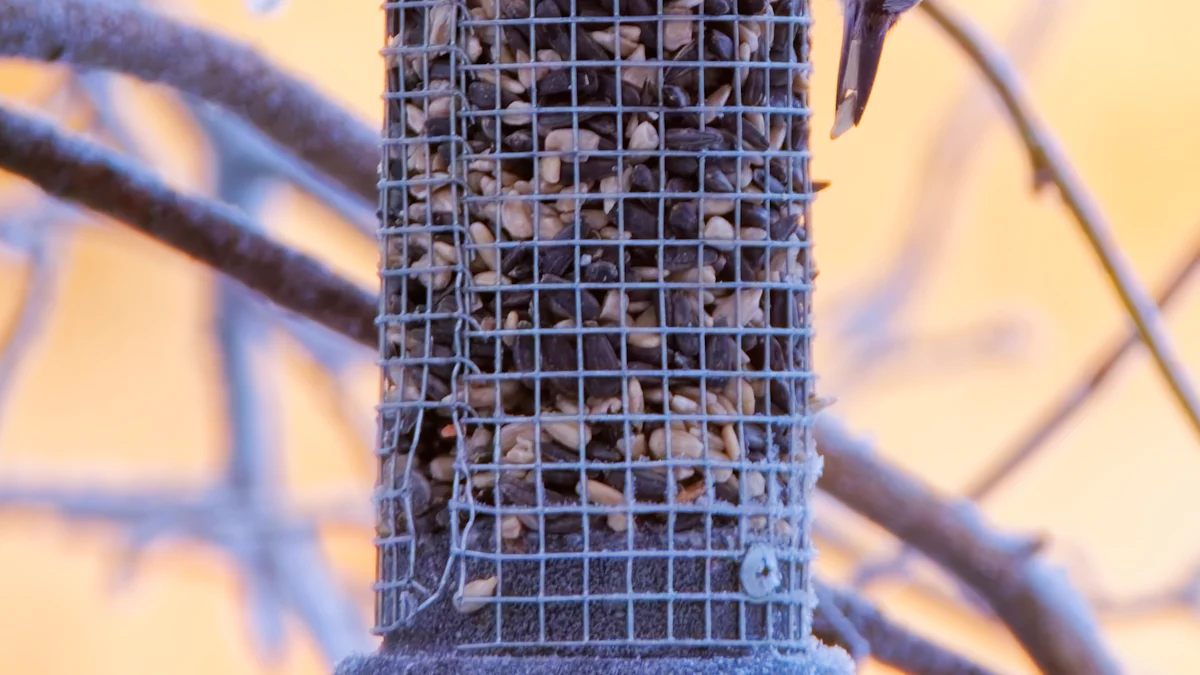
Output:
x=760 y=572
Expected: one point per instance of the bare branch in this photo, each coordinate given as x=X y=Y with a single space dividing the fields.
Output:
x=1037 y=603
x=129 y=39
x=215 y=234
x=831 y=624
x=890 y=643
x=1051 y=162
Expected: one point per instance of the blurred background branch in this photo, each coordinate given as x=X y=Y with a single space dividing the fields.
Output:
x=867 y=319
x=1050 y=165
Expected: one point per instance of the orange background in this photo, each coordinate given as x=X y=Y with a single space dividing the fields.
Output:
x=122 y=390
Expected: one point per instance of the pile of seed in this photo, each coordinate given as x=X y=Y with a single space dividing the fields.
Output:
x=602 y=233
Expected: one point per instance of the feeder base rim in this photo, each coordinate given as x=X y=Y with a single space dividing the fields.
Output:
x=826 y=661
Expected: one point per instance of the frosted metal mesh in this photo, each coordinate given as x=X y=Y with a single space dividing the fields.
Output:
x=597 y=281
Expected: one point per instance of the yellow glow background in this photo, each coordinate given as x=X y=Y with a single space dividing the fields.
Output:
x=122 y=390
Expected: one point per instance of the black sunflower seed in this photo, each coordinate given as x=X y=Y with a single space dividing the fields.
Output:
x=694 y=140
x=679 y=258
x=559 y=355
x=718 y=7
x=752 y=138
x=642 y=179
x=750 y=7
x=554 y=257
x=599 y=450
x=683 y=313
x=684 y=220
x=783 y=226
x=648 y=486
x=635 y=218
x=554 y=82
x=721 y=356
x=716 y=181
x=598 y=354
x=601 y=272
x=519 y=141
x=728 y=493
x=674 y=97
x=682 y=166
x=561 y=303
x=720 y=46
x=754 y=215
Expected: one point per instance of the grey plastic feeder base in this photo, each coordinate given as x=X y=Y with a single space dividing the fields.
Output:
x=826 y=661
x=431 y=644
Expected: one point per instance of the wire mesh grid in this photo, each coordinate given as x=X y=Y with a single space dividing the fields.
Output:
x=596 y=348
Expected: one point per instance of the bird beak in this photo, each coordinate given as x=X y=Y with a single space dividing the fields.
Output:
x=862 y=48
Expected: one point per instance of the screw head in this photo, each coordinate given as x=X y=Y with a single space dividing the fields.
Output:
x=760 y=573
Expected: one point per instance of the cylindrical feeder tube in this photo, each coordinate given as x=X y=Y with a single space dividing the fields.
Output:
x=595 y=437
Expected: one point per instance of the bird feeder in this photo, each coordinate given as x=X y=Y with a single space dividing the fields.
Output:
x=595 y=443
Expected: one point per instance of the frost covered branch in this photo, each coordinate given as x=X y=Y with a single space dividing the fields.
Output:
x=890 y=643
x=1037 y=604
x=215 y=234
x=126 y=38
x=1050 y=165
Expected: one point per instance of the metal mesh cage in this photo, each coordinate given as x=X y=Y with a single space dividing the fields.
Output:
x=596 y=317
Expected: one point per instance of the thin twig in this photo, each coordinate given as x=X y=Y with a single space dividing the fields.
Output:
x=255 y=148
x=890 y=643
x=215 y=234
x=1050 y=162
x=129 y=39
x=96 y=87
x=1036 y=603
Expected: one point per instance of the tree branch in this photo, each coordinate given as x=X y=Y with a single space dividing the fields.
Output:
x=128 y=39
x=215 y=234
x=1037 y=604
x=1050 y=162
x=891 y=643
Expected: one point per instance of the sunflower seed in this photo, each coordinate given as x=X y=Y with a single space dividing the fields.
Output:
x=599 y=354
x=682 y=312
x=474 y=595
